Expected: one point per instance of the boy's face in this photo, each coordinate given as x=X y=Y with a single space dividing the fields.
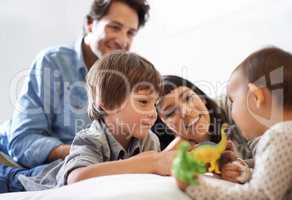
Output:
x=114 y=31
x=137 y=114
x=185 y=113
x=243 y=107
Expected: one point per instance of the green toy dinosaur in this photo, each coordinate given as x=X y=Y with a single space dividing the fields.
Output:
x=185 y=168
x=187 y=165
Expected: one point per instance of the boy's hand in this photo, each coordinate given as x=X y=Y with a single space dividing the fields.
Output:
x=163 y=164
x=236 y=171
x=160 y=162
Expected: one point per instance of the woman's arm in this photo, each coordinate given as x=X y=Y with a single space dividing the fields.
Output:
x=174 y=144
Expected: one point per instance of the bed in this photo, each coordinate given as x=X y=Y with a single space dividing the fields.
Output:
x=127 y=186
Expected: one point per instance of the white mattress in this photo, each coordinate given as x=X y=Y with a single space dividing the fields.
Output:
x=125 y=187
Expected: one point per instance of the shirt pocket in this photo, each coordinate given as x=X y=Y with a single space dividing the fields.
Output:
x=76 y=98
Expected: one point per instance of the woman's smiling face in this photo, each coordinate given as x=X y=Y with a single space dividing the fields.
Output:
x=184 y=112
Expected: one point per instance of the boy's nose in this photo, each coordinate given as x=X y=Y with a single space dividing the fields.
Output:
x=152 y=115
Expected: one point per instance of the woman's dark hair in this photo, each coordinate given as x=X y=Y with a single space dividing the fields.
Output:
x=217 y=115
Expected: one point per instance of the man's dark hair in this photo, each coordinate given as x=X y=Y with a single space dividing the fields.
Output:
x=99 y=8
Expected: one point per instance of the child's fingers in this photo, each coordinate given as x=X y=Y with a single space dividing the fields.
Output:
x=231 y=167
x=230 y=146
x=226 y=157
x=230 y=178
x=231 y=171
x=236 y=172
x=165 y=162
x=181 y=185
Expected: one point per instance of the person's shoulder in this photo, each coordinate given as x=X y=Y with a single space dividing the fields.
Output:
x=281 y=128
x=57 y=52
x=92 y=135
x=278 y=134
x=151 y=137
x=151 y=142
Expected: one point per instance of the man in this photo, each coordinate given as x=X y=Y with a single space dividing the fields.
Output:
x=53 y=103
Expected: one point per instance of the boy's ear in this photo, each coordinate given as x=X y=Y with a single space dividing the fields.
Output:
x=258 y=94
x=102 y=107
x=105 y=109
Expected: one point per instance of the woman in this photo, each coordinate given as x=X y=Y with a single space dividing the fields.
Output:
x=188 y=113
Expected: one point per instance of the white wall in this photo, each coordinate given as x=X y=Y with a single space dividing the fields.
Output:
x=26 y=27
x=202 y=40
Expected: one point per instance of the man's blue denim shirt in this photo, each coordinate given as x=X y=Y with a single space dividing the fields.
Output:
x=51 y=108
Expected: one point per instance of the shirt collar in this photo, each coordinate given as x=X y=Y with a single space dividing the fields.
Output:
x=118 y=152
x=78 y=48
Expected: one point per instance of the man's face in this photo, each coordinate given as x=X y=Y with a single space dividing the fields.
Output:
x=114 y=31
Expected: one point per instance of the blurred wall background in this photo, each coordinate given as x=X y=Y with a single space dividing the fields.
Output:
x=199 y=40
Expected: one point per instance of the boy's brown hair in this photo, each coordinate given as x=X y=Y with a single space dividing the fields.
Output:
x=272 y=68
x=112 y=78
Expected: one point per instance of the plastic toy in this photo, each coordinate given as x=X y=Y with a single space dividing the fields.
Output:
x=210 y=153
x=187 y=165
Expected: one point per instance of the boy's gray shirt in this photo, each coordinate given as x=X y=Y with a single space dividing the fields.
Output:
x=90 y=146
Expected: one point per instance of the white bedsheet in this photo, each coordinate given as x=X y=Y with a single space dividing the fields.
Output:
x=125 y=187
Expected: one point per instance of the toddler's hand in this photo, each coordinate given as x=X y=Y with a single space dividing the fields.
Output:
x=227 y=157
x=230 y=146
x=236 y=171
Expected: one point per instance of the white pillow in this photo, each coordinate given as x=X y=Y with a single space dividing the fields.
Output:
x=126 y=186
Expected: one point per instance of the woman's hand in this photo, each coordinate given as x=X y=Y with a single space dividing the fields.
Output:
x=174 y=145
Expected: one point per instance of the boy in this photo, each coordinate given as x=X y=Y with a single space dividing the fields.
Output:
x=123 y=89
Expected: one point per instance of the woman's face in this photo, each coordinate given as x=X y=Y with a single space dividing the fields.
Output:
x=185 y=113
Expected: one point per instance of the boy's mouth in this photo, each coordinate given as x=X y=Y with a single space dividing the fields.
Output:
x=146 y=125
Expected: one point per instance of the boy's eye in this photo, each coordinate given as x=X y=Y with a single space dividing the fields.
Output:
x=144 y=102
